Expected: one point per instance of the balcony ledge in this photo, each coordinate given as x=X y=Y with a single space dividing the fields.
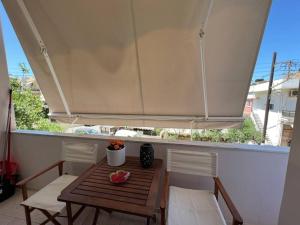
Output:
x=227 y=146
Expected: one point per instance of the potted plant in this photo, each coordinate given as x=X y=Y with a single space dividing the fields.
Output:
x=115 y=153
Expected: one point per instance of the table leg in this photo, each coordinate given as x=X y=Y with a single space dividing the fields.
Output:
x=154 y=218
x=148 y=220
x=69 y=213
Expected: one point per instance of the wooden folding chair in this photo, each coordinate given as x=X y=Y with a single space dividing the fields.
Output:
x=194 y=207
x=45 y=200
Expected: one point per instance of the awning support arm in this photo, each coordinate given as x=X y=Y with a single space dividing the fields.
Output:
x=193 y=119
x=202 y=53
x=202 y=58
x=45 y=54
x=138 y=64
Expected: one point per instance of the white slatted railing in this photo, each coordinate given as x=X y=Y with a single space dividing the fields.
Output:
x=192 y=162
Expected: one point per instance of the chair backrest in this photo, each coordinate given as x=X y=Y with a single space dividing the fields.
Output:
x=192 y=162
x=79 y=152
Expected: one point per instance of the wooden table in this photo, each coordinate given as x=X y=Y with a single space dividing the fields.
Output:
x=137 y=196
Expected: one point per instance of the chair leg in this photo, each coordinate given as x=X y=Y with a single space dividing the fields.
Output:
x=27 y=215
x=49 y=220
x=148 y=220
x=163 y=216
x=50 y=217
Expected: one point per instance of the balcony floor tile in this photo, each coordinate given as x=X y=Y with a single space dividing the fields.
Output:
x=11 y=213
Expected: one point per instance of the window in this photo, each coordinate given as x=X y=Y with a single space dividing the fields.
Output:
x=293 y=93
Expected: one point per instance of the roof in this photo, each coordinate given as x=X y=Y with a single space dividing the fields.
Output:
x=279 y=84
x=250 y=96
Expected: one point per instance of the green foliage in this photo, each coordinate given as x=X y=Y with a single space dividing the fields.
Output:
x=15 y=84
x=196 y=135
x=157 y=131
x=208 y=135
x=214 y=135
x=46 y=125
x=245 y=134
x=24 y=68
x=30 y=110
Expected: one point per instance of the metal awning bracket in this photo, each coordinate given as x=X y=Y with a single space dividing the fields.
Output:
x=201 y=33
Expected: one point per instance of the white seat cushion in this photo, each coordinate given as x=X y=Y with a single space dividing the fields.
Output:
x=193 y=207
x=46 y=198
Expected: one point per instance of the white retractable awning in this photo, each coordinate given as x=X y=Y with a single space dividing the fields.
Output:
x=162 y=63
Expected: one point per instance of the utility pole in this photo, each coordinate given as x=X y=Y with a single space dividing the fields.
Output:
x=269 y=97
x=289 y=65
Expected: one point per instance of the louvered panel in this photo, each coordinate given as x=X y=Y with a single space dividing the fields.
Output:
x=192 y=162
x=80 y=152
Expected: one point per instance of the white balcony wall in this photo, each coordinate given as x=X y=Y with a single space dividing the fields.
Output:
x=253 y=175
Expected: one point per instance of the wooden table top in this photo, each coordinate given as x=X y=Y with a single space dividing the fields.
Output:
x=137 y=196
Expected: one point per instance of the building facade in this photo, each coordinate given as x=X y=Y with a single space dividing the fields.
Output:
x=282 y=108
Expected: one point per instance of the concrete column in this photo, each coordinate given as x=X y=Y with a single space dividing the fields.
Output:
x=4 y=85
x=289 y=212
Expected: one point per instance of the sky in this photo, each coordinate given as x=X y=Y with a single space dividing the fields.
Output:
x=282 y=34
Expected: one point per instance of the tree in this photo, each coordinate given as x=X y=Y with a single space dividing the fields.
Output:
x=29 y=110
x=25 y=70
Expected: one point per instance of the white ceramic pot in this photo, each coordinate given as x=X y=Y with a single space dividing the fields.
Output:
x=116 y=157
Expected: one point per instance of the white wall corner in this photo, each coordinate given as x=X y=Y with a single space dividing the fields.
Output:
x=4 y=87
x=289 y=212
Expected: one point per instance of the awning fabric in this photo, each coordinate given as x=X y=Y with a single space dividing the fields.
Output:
x=138 y=62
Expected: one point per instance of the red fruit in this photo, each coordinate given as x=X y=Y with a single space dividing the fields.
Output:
x=120 y=176
x=122 y=173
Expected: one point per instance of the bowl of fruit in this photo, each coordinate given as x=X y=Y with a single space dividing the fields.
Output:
x=119 y=177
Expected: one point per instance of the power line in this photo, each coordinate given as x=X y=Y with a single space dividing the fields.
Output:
x=282 y=69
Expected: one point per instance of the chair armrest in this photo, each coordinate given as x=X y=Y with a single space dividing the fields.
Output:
x=237 y=219
x=23 y=182
x=164 y=198
x=26 y=180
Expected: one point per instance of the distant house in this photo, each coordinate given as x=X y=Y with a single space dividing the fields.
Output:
x=282 y=108
x=31 y=83
x=249 y=105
